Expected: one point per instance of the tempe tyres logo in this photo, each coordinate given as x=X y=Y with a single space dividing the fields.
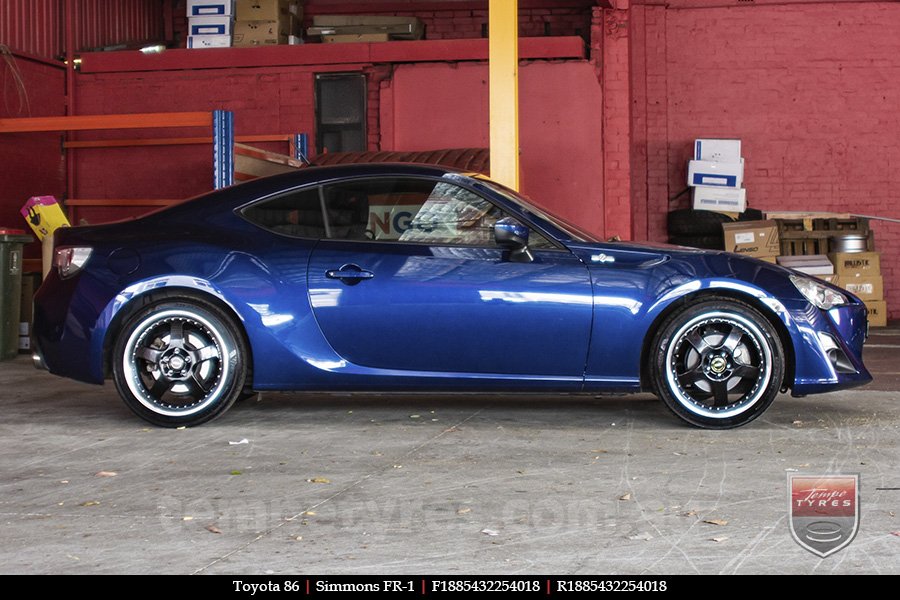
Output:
x=824 y=511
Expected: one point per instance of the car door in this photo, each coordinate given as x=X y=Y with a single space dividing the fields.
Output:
x=409 y=279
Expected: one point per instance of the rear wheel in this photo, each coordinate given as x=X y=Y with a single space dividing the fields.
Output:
x=720 y=364
x=180 y=363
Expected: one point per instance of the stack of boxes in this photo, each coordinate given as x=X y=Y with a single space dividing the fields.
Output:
x=716 y=175
x=267 y=22
x=860 y=274
x=209 y=23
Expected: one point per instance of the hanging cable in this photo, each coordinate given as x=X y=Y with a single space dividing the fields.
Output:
x=19 y=83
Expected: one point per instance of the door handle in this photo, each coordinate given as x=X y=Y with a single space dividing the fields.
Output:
x=350 y=274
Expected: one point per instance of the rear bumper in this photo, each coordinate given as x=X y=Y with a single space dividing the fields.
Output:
x=67 y=338
x=37 y=359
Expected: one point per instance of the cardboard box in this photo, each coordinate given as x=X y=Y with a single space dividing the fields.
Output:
x=204 y=8
x=209 y=41
x=267 y=10
x=718 y=174
x=720 y=199
x=264 y=33
x=404 y=28
x=856 y=263
x=866 y=287
x=212 y=25
x=717 y=150
x=361 y=37
x=44 y=214
x=877 y=312
x=752 y=238
x=813 y=264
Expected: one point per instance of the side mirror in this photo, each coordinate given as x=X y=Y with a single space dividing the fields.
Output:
x=513 y=236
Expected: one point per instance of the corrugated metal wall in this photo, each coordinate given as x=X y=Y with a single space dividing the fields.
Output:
x=32 y=26
x=104 y=23
x=38 y=26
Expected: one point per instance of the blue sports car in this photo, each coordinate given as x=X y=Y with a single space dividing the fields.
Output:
x=416 y=277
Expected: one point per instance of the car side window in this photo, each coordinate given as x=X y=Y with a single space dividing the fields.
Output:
x=297 y=214
x=389 y=209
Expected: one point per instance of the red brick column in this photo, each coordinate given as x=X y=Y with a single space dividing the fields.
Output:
x=611 y=56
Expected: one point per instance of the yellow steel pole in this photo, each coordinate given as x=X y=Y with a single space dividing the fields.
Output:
x=503 y=27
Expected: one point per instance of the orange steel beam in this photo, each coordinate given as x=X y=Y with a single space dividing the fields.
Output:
x=84 y=122
x=171 y=141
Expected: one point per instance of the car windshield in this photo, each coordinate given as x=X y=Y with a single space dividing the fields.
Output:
x=574 y=232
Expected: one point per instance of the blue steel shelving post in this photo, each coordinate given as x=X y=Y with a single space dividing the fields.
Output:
x=223 y=148
x=300 y=147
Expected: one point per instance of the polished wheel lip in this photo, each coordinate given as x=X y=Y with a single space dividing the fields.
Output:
x=748 y=400
x=130 y=364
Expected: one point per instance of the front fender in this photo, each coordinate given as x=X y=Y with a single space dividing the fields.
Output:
x=639 y=320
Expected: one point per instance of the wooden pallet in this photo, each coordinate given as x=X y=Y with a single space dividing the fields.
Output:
x=806 y=236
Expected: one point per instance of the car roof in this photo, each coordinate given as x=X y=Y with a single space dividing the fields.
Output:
x=239 y=194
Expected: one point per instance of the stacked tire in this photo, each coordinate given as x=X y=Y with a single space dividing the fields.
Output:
x=702 y=228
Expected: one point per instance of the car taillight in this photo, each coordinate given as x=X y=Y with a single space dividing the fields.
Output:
x=69 y=261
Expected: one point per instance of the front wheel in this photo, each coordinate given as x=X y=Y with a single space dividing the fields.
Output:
x=180 y=363
x=720 y=364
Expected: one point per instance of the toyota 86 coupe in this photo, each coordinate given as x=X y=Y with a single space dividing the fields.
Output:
x=399 y=277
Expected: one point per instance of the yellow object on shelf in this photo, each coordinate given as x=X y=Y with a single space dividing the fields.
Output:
x=44 y=215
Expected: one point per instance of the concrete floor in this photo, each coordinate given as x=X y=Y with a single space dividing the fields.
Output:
x=329 y=484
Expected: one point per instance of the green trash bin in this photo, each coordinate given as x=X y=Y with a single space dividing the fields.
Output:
x=11 y=242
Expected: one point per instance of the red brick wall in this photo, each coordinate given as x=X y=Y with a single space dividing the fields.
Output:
x=810 y=88
x=439 y=105
x=272 y=100
x=610 y=55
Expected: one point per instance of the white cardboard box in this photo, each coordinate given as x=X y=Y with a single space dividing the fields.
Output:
x=812 y=264
x=215 y=25
x=202 y=8
x=717 y=150
x=209 y=41
x=717 y=174
x=721 y=199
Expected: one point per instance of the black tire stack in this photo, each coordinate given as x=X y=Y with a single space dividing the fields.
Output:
x=702 y=228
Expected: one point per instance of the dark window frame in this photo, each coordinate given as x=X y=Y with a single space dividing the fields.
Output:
x=554 y=245
x=323 y=128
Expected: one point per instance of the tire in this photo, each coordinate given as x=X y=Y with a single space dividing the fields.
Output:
x=708 y=242
x=720 y=363
x=751 y=214
x=180 y=363
x=690 y=222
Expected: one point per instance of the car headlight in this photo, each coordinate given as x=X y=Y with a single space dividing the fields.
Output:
x=819 y=295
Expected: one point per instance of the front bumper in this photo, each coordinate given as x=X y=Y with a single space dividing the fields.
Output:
x=828 y=348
